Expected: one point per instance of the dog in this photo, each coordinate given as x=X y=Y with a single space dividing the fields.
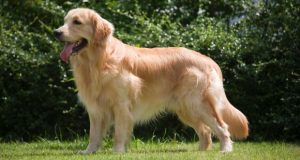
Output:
x=122 y=85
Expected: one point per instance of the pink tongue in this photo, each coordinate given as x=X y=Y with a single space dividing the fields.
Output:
x=65 y=54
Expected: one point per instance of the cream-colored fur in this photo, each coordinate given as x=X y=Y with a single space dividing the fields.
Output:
x=124 y=85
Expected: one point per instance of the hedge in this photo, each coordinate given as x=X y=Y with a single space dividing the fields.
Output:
x=259 y=56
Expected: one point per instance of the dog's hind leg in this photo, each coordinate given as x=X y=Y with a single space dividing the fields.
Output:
x=220 y=128
x=213 y=118
x=213 y=100
x=197 y=110
x=204 y=134
x=202 y=130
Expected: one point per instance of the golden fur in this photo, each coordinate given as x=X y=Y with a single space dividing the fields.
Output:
x=123 y=85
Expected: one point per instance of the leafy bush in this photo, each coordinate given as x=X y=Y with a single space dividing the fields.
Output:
x=259 y=56
x=36 y=95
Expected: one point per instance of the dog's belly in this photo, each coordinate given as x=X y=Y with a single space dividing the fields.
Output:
x=154 y=98
x=149 y=107
x=146 y=110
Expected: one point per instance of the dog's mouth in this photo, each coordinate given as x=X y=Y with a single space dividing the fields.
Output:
x=72 y=48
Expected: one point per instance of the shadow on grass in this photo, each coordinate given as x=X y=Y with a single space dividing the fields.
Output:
x=61 y=148
x=37 y=154
x=53 y=151
x=160 y=151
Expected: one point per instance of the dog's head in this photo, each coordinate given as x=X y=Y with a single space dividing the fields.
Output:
x=83 y=28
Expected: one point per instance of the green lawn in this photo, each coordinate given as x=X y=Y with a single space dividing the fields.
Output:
x=173 y=150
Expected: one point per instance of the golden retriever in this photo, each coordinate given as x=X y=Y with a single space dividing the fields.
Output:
x=122 y=85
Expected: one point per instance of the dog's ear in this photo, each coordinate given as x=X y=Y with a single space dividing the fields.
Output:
x=102 y=29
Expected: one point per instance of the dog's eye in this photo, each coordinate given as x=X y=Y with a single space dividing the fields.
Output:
x=77 y=22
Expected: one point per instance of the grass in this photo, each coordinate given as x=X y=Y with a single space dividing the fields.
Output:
x=173 y=150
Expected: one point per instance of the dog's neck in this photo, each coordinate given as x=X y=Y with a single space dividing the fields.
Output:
x=93 y=64
x=99 y=55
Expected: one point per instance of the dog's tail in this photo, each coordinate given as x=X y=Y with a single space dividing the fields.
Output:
x=236 y=120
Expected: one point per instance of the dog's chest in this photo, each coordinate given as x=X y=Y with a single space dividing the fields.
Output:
x=92 y=85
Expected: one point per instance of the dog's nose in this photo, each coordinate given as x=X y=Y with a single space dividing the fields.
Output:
x=57 y=33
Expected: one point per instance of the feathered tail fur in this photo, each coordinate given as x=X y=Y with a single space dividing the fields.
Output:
x=236 y=120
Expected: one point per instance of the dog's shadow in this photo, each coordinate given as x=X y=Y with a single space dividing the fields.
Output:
x=159 y=151
x=73 y=150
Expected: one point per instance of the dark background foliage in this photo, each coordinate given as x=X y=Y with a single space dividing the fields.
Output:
x=256 y=43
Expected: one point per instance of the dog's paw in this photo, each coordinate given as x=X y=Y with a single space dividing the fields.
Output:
x=119 y=149
x=227 y=147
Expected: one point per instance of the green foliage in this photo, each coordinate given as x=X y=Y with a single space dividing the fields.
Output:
x=36 y=94
x=258 y=53
x=268 y=82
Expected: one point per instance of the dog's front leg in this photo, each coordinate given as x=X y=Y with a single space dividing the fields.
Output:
x=123 y=126
x=97 y=131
